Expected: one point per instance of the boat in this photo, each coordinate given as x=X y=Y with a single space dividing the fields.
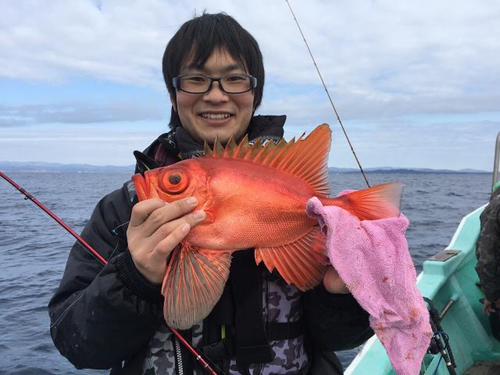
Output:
x=450 y=286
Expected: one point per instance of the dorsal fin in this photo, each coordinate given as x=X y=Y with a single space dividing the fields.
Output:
x=305 y=158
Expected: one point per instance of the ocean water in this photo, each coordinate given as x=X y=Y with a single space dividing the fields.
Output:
x=34 y=249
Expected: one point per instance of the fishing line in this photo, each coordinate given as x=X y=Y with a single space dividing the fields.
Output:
x=115 y=233
x=65 y=311
x=437 y=367
x=328 y=94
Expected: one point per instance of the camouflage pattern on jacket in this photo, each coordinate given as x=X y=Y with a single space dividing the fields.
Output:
x=488 y=249
x=160 y=357
x=281 y=303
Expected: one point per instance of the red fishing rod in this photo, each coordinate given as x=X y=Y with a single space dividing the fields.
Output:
x=59 y=221
x=103 y=261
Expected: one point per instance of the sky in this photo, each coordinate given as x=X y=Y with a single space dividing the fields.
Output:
x=416 y=83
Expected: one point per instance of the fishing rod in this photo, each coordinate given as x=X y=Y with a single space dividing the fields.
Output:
x=329 y=97
x=86 y=246
x=440 y=339
x=198 y=357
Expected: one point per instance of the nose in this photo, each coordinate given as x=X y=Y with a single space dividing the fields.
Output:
x=216 y=94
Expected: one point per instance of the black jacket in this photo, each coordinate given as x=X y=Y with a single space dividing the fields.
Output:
x=103 y=317
x=488 y=249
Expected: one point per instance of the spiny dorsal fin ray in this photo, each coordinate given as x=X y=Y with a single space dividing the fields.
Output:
x=254 y=150
x=273 y=154
x=305 y=158
x=230 y=147
x=218 y=149
x=281 y=154
x=207 y=149
x=241 y=149
x=264 y=152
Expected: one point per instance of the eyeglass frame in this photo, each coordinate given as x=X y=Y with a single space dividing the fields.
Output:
x=176 y=82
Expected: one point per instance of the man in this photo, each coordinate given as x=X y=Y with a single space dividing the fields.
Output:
x=111 y=316
x=488 y=254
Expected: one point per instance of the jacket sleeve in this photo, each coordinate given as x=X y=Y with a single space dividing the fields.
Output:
x=488 y=251
x=102 y=315
x=335 y=321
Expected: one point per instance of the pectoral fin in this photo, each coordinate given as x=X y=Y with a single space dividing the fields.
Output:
x=193 y=284
x=301 y=263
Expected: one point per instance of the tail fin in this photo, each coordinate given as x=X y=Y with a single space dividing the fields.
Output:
x=379 y=202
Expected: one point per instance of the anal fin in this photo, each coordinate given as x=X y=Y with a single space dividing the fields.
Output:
x=301 y=263
x=193 y=284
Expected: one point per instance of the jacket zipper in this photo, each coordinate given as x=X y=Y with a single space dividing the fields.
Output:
x=178 y=353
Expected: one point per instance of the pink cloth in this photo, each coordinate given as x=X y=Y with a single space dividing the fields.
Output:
x=372 y=258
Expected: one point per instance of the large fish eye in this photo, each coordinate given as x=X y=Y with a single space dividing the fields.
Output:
x=174 y=181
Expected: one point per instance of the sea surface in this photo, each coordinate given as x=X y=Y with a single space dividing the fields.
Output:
x=34 y=249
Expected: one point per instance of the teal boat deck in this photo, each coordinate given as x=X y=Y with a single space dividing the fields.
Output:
x=451 y=283
x=484 y=368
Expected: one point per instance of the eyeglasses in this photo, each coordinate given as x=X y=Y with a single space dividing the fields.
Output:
x=201 y=84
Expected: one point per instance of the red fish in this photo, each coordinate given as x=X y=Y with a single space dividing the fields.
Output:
x=255 y=197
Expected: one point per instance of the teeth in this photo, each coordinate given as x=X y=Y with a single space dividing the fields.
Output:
x=212 y=116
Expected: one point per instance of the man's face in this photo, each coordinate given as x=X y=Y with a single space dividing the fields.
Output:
x=215 y=113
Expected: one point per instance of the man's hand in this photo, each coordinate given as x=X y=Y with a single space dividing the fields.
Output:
x=155 y=229
x=490 y=307
x=333 y=283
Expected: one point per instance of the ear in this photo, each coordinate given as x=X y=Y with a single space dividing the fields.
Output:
x=174 y=102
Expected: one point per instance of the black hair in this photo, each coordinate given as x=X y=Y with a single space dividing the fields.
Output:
x=199 y=37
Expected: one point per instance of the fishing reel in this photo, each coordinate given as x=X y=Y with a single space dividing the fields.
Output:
x=440 y=343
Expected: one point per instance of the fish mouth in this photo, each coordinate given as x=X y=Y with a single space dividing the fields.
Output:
x=141 y=186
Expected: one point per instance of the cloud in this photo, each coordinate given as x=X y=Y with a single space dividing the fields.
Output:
x=77 y=113
x=369 y=48
x=392 y=68
x=113 y=145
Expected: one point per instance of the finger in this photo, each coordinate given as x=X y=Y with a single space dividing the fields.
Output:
x=168 y=213
x=164 y=231
x=333 y=282
x=487 y=308
x=331 y=269
x=142 y=210
x=165 y=247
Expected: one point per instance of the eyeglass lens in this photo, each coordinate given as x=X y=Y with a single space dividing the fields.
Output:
x=230 y=84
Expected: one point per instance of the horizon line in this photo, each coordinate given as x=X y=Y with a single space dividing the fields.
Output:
x=341 y=168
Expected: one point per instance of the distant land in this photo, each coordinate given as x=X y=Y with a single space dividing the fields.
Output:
x=42 y=167
x=405 y=170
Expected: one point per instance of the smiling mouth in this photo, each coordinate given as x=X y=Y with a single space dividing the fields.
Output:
x=215 y=116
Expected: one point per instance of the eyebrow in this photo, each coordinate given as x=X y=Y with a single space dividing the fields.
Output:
x=226 y=69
